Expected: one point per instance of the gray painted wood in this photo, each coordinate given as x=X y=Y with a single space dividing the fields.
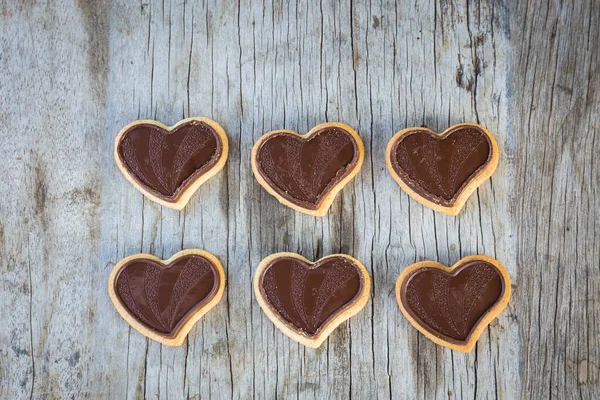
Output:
x=73 y=73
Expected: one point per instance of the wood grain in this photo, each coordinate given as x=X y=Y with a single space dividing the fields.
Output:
x=75 y=72
x=558 y=120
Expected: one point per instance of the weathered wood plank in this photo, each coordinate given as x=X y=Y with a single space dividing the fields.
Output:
x=54 y=66
x=557 y=74
x=77 y=72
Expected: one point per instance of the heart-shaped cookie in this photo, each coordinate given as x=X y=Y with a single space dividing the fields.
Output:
x=441 y=171
x=168 y=164
x=164 y=299
x=452 y=306
x=305 y=172
x=306 y=300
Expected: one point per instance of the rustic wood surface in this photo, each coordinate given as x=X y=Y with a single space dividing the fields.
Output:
x=72 y=73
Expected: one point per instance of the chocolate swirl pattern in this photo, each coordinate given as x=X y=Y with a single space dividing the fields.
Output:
x=450 y=305
x=304 y=170
x=308 y=296
x=439 y=168
x=161 y=297
x=166 y=162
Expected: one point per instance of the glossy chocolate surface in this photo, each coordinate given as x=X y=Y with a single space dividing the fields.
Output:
x=450 y=305
x=439 y=167
x=166 y=162
x=308 y=296
x=161 y=296
x=304 y=170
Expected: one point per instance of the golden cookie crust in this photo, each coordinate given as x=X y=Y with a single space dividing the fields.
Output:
x=189 y=320
x=287 y=328
x=473 y=184
x=481 y=325
x=187 y=193
x=327 y=200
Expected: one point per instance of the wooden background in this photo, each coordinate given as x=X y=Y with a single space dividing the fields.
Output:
x=72 y=73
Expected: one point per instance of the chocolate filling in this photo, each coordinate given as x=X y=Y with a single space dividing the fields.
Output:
x=449 y=306
x=303 y=170
x=166 y=162
x=439 y=167
x=161 y=297
x=308 y=296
